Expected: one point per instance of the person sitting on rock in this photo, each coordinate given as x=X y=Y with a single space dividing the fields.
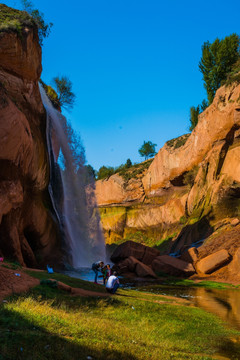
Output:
x=97 y=266
x=112 y=283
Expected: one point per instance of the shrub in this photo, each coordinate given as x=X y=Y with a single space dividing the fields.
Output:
x=234 y=76
x=178 y=142
x=14 y=20
x=105 y=172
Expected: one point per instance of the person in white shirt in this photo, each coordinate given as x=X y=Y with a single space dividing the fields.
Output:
x=112 y=283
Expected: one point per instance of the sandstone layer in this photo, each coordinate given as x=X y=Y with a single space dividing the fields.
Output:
x=189 y=194
x=27 y=230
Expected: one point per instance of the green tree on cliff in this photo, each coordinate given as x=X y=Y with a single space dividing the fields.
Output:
x=105 y=172
x=128 y=163
x=66 y=97
x=194 y=113
x=147 y=149
x=44 y=29
x=217 y=61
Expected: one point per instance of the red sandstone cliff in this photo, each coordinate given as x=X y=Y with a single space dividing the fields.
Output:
x=28 y=233
x=190 y=191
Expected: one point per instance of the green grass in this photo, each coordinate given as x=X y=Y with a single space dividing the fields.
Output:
x=77 y=283
x=14 y=20
x=174 y=281
x=49 y=324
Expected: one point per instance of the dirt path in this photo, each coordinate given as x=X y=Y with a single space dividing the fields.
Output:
x=18 y=281
x=14 y=281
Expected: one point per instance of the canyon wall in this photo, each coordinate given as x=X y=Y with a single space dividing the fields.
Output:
x=190 y=190
x=28 y=231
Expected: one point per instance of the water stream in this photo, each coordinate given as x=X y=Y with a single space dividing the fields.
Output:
x=72 y=191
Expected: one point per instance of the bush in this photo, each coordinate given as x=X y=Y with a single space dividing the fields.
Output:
x=14 y=20
x=178 y=142
x=234 y=76
x=125 y=170
x=105 y=172
x=38 y=17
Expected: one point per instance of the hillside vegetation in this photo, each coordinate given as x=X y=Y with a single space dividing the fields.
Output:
x=14 y=20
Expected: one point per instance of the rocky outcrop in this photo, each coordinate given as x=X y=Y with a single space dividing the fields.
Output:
x=27 y=230
x=189 y=196
x=170 y=163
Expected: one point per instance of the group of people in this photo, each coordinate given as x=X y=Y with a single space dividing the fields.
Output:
x=109 y=279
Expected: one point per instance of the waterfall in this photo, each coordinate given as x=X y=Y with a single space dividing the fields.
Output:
x=71 y=189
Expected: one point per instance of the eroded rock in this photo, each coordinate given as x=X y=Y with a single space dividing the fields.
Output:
x=213 y=262
x=143 y=270
x=172 y=266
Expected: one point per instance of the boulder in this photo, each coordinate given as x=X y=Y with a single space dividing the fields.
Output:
x=213 y=262
x=143 y=270
x=235 y=222
x=172 y=266
x=234 y=266
x=126 y=249
x=149 y=255
x=132 y=262
x=190 y=255
x=121 y=267
x=131 y=249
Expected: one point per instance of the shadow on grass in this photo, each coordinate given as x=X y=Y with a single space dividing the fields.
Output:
x=62 y=298
x=230 y=349
x=21 y=339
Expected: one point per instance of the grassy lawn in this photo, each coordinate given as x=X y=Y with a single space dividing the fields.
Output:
x=49 y=324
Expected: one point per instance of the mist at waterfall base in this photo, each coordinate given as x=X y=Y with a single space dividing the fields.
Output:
x=71 y=189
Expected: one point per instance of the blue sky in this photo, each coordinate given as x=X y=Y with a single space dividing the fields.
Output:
x=133 y=65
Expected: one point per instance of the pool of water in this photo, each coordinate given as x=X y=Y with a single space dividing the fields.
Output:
x=225 y=303
x=84 y=274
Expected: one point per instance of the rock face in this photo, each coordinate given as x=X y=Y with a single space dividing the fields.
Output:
x=189 y=192
x=169 y=164
x=27 y=230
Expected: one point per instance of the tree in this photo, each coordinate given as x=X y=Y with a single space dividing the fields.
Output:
x=105 y=172
x=128 y=163
x=66 y=97
x=217 y=61
x=147 y=149
x=194 y=113
x=44 y=29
